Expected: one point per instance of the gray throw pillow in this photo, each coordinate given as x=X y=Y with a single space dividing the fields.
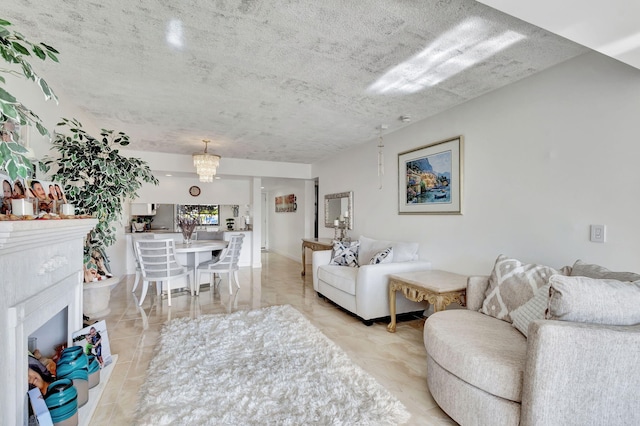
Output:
x=533 y=310
x=511 y=284
x=582 y=269
x=583 y=299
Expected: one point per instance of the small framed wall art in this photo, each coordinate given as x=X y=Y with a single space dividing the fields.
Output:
x=286 y=203
x=430 y=178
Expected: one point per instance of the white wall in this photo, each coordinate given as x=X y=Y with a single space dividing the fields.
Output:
x=175 y=190
x=544 y=158
x=286 y=229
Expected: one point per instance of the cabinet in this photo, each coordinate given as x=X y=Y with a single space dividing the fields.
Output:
x=143 y=209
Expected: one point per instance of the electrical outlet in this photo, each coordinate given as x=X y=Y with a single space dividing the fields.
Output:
x=598 y=233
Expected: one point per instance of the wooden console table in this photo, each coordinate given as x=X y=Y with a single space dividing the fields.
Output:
x=440 y=288
x=314 y=244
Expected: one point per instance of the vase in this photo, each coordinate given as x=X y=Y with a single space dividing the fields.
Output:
x=96 y=297
x=187 y=232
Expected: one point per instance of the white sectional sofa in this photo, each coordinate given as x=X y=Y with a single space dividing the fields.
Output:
x=364 y=290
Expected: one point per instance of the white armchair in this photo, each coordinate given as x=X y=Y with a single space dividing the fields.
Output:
x=364 y=290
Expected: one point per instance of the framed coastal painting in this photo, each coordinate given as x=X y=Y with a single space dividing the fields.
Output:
x=430 y=178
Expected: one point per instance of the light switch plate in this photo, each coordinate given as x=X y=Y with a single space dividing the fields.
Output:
x=598 y=233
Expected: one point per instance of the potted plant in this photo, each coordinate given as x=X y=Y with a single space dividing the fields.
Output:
x=14 y=48
x=97 y=179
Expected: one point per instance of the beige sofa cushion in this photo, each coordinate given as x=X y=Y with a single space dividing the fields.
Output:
x=484 y=352
x=596 y=271
x=402 y=252
x=340 y=277
x=582 y=299
x=511 y=284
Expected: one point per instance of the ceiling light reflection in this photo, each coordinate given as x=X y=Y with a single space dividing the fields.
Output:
x=174 y=34
x=470 y=42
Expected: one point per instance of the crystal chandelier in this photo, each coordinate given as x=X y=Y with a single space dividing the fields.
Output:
x=206 y=164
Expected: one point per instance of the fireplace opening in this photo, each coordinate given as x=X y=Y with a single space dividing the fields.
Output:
x=45 y=344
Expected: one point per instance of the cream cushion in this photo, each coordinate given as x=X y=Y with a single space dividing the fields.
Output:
x=342 y=278
x=485 y=353
x=402 y=251
x=583 y=299
x=596 y=271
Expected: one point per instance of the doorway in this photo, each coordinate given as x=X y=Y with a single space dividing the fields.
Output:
x=263 y=232
x=315 y=223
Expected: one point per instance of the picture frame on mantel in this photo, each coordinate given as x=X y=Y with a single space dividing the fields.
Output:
x=430 y=178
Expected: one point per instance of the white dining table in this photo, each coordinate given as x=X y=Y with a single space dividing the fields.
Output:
x=197 y=251
x=193 y=254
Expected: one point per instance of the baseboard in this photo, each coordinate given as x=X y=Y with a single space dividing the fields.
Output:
x=287 y=255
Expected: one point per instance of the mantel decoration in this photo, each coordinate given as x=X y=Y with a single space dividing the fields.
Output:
x=430 y=178
x=96 y=179
x=13 y=114
x=206 y=164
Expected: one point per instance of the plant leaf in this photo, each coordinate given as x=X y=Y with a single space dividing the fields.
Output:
x=11 y=168
x=41 y=129
x=45 y=89
x=9 y=110
x=39 y=52
x=20 y=48
x=53 y=57
x=50 y=48
x=7 y=97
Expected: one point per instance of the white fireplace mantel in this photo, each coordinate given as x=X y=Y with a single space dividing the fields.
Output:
x=41 y=264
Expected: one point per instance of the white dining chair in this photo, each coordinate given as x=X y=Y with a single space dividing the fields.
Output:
x=228 y=263
x=158 y=264
x=134 y=238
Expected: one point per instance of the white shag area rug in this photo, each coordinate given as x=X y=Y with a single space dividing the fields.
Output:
x=266 y=366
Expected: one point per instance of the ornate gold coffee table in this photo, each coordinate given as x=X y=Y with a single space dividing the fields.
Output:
x=440 y=288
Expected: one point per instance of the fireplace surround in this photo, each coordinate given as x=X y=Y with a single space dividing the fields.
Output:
x=41 y=264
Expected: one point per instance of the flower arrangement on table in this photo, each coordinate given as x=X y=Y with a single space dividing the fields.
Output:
x=187 y=224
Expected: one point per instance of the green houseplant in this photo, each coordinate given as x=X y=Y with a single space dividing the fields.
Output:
x=14 y=49
x=97 y=179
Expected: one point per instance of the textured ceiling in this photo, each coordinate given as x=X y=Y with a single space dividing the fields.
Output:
x=276 y=80
x=610 y=27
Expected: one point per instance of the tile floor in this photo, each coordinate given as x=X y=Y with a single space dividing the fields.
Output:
x=396 y=360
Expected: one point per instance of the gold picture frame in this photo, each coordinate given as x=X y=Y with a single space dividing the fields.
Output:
x=430 y=178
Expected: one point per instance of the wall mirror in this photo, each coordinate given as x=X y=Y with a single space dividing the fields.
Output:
x=335 y=206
